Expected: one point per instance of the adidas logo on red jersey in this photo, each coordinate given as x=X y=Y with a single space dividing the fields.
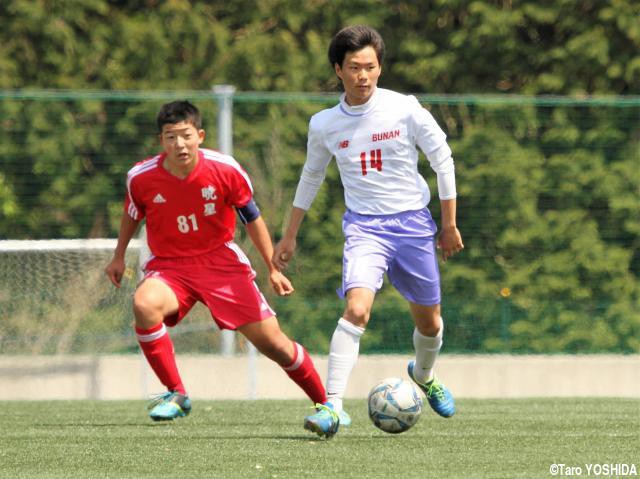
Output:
x=159 y=199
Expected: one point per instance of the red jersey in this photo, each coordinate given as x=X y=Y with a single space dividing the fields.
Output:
x=190 y=216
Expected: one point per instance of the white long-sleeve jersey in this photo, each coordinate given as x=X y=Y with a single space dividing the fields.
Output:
x=375 y=147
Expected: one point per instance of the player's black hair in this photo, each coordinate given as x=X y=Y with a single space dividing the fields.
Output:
x=177 y=111
x=352 y=39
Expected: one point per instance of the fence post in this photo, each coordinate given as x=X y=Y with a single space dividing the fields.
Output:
x=224 y=95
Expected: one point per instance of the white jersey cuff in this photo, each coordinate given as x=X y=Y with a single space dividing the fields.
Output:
x=447 y=186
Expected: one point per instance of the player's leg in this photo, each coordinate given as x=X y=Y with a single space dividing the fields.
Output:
x=344 y=347
x=269 y=339
x=365 y=258
x=236 y=302
x=414 y=273
x=427 y=339
x=427 y=342
x=154 y=301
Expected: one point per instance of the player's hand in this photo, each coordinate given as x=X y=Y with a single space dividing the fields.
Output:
x=283 y=252
x=450 y=242
x=115 y=271
x=280 y=283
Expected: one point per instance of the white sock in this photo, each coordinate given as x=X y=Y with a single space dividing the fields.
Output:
x=343 y=354
x=427 y=349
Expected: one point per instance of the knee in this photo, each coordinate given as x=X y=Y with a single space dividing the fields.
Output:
x=357 y=313
x=430 y=324
x=147 y=310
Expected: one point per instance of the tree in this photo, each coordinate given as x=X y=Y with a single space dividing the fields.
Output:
x=549 y=187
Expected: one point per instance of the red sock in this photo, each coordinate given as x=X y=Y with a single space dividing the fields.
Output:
x=304 y=373
x=157 y=347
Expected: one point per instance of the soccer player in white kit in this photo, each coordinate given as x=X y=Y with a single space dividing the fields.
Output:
x=373 y=134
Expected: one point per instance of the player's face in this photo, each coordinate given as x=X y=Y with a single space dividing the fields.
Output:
x=180 y=142
x=359 y=73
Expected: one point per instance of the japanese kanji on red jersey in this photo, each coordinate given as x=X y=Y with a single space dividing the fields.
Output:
x=190 y=216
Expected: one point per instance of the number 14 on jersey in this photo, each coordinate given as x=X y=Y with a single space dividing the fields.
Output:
x=375 y=160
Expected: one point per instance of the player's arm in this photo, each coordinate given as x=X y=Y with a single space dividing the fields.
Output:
x=259 y=234
x=115 y=269
x=287 y=245
x=449 y=239
x=312 y=177
x=432 y=141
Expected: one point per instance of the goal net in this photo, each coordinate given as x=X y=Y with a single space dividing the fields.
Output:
x=56 y=299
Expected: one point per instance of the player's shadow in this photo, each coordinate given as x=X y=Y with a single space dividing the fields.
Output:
x=294 y=438
x=76 y=425
x=359 y=438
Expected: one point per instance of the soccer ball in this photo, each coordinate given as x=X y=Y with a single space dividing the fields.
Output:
x=394 y=405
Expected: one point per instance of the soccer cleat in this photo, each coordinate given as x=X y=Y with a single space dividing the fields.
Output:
x=324 y=422
x=439 y=397
x=345 y=419
x=168 y=406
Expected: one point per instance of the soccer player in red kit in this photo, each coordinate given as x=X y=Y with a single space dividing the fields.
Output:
x=190 y=197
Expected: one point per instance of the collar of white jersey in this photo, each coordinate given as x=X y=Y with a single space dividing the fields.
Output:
x=359 y=110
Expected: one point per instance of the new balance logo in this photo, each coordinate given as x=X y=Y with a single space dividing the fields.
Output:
x=159 y=199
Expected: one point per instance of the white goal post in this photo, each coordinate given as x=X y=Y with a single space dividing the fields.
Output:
x=9 y=246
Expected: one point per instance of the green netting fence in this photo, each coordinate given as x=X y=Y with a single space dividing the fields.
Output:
x=548 y=205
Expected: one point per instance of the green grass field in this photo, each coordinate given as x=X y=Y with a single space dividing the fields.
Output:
x=265 y=439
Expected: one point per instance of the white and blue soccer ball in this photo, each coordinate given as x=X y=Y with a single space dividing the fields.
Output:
x=395 y=405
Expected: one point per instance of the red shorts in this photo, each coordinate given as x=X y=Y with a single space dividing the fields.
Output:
x=223 y=280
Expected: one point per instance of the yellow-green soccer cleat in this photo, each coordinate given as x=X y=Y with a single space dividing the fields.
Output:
x=168 y=406
x=439 y=397
x=325 y=422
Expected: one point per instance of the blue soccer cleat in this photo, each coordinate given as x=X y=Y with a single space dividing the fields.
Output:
x=168 y=406
x=324 y=422
x=439 y=397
